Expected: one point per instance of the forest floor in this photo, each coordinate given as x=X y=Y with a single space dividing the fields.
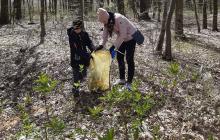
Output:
x=191 y=110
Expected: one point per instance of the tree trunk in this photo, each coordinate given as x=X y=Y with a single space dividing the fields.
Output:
x=204 y=23
x=168 y=50
x=4 y=13
x=158 y=10
x=132 y=4
x=179 y=19
x=55 y=9
x=144 y=7
x=210 y=6
x=121 y=7
x=46 y=10
x=162 y=31
x=43 y=32
x=17 y=9
x=50 y=7
x=196 y=14
x=215 y=15
x=29 y=11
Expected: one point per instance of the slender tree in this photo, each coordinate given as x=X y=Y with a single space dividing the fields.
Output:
x=196 y=15
x=144 y=7
x=163 y=29
x=215 y=15
x=210 y=6
x=158 y=10
x=46 y=11
x=17 y=9
x=204 y=21
x=55 y=9
x=4 y=13
x=121 y=7
x=179 y=19
x=168 y=50
x=43 y=32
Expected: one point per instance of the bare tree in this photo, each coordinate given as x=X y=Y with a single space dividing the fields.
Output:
x=4 y=12
x=168 y=50
x=43 y=32
x=121 y=7
x=210 y=6
x=215 y=15
x=158 y=10
x=144 y=7
x=163 y=29
x=132 y=4
x=179 y=19
x=196 y=15
x=204 y=21
x=17 y=9
x=30 y=11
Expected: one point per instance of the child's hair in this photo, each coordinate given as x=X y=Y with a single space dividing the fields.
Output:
x=77 y=24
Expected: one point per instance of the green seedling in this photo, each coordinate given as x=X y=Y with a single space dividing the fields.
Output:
x=56 y=125
x=81 y=68
x=96 y=111
x=174 y=68
x=108 y=136
x=156 y=130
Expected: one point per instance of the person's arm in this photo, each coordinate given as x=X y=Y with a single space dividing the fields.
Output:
x=122 y=33
x=89 y=42
x=104 y=36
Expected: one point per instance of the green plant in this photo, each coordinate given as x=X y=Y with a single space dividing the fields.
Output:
x=210 y=137
x=95 y=111
x=45 y=85
x=108 y=136
x=56 y=125
x=27 y=127
x=174 y=68
x=195 y=76
x=76 y=85
x=156 y=129
x=81 y=68
x=132 y=105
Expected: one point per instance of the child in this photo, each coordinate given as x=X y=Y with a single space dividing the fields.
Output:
x=79 y=44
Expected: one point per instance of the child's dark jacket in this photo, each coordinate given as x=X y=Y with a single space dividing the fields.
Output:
x=79 y=45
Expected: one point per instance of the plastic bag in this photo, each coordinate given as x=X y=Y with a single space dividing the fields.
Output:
x=99 y=69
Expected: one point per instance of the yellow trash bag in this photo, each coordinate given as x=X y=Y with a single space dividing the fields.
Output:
x=99 y=69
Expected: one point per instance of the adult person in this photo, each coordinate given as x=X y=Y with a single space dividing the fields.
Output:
x=124 y=44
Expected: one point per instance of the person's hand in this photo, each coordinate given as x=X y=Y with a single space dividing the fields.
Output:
x=112 y=51
x=99 y=48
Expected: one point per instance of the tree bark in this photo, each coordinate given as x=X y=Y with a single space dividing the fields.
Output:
x=46 y=12
x=17 y=9
x=158 y=10
x=4 y=13
x=43 y=32
x=196 y=15
x=162 y=31
x=55 y=9
x=144 y=7
x=168 y=50
x=210 y=6
x=215 y=15
x=204 y=21
x=179 y=19
x=121 y=7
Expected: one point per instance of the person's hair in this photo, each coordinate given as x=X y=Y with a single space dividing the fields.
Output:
x=111 y=23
